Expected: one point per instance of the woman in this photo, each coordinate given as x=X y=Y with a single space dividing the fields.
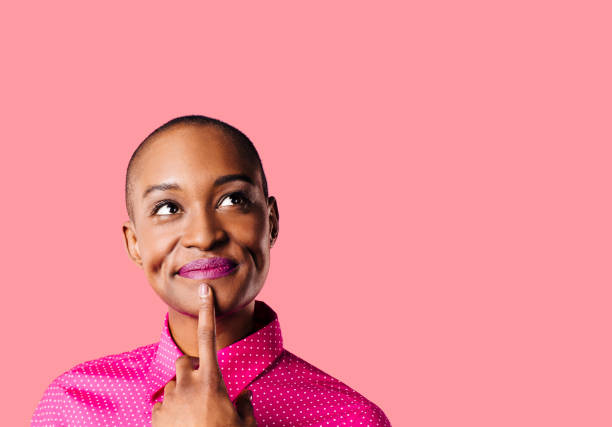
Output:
x=201 y=225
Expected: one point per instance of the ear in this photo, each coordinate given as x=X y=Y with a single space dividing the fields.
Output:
x=131 y=242
x=273 y=217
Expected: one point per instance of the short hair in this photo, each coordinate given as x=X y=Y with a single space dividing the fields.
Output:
x=235 y=134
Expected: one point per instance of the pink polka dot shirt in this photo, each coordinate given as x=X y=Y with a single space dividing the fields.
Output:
x=120 y=389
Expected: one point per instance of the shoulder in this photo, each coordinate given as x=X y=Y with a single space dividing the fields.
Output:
x=335 y=400
x=119 y=365
x=126 y=361
x=50 y=408
x=86 y=375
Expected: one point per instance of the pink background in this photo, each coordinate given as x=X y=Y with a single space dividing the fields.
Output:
x=445 y=166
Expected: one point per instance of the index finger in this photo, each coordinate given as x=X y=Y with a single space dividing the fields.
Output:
x=207 y=345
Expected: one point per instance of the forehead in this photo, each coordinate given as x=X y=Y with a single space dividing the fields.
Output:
x=192 y=155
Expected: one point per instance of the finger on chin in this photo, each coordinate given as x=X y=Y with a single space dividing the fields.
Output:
x=206 y=329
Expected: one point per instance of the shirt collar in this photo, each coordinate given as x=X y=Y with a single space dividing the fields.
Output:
x=251 y=355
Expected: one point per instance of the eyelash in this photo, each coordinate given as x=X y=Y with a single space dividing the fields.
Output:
x=245 y=201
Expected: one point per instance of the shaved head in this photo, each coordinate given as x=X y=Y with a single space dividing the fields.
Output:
x=242 y=142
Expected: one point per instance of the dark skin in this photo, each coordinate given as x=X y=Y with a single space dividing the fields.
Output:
x=232 y=220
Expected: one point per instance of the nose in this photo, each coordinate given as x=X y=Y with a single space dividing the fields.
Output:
x=203 y=230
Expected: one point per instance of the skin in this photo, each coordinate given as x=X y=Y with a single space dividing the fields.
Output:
x=199 y=220
x=198 y=396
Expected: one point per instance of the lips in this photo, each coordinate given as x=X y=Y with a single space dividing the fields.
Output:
x=208 y=268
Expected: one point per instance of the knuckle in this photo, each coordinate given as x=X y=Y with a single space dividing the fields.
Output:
x=207 y=335
x=208 y=382
x=170 y=386
x=181 y=359
x=182 y=363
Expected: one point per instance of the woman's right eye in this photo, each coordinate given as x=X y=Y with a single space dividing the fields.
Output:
x=159 y=207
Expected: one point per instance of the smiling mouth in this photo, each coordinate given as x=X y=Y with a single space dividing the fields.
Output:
x=210 y=273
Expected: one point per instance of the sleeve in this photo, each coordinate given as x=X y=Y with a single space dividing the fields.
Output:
x=370 y=415
x=373 y=416
x=362 y=414
x=50 y=409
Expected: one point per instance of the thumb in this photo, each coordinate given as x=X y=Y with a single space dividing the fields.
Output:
x=244 y=405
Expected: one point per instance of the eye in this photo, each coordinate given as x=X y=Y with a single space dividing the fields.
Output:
x=162 y=204
x=239 y=197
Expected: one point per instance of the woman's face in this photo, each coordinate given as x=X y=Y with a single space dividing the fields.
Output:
x=200 y=218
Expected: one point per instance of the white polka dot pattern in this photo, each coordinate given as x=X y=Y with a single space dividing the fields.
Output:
x=120 y=389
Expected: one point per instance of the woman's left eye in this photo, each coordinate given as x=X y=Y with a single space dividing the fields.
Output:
x=241 y=197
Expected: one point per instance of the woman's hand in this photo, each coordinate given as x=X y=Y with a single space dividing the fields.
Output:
x=198 y=397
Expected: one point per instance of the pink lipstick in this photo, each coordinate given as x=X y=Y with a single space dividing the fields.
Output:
x=208 y=268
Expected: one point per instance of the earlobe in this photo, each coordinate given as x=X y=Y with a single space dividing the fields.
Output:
x=138 y=259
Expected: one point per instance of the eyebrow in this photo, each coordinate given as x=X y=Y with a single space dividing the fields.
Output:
x=219 y=181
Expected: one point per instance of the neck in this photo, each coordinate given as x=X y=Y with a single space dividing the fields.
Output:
x=229 y=328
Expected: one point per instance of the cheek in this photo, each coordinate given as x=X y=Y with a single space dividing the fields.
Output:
x=157 y=248
x=252 y=234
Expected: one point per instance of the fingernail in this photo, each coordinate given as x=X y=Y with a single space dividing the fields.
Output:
x=203 y=290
